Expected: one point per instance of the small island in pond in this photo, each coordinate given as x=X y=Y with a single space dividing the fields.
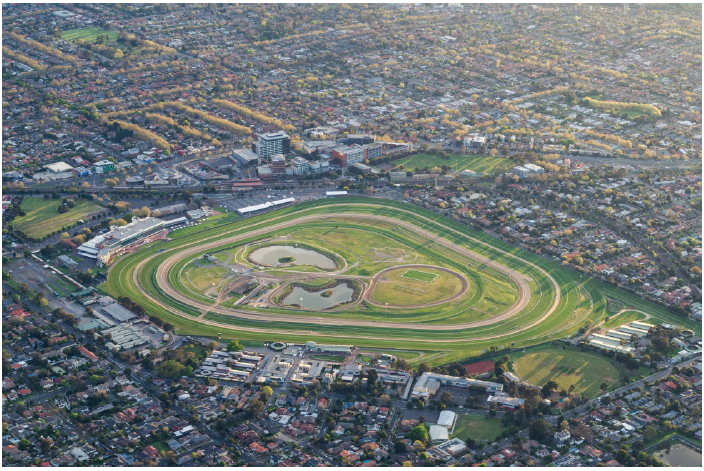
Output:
x=286 y=260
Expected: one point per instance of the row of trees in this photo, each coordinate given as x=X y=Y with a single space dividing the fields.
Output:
x=619 y=107
x=260 y=117
x=143 y=134
x=43 y=48
x=22 y=58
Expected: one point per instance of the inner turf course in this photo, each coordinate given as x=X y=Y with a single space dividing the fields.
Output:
x=554 y=303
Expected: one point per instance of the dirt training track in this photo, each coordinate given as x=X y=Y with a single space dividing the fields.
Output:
x=521 y=282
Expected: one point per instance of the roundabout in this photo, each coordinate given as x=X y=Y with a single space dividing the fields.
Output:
x=399 y=276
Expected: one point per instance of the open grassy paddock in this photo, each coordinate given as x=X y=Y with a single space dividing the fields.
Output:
x=458 y=163
x=568 y=366
x=42 y=216
x=512 y=296
x=88 y=34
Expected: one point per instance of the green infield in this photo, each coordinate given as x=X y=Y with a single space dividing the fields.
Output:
x=88 y=34
x=398 y=288
x=458 y=163
x=423 y=276
x=42 y=216
x=509 y=296
x=480 y=428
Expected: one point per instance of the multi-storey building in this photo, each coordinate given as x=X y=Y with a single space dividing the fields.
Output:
x=271 y=144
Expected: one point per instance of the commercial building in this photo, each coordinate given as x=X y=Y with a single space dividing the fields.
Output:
x=438 y=434
x=344 y=155
x=202 y=212
x=104 y=166
x=126 y=336
x=278 y=164
x=271 y=144
x=447 y=419
x=123 y=239
x=453 y=447
x=300 y=166
x=360 y=139
x=520 y=171
x=506 y=402
x=527 y=169
x=58 y=167
x=397 y=176
x=429 y=383
x=372 y=151
x=534 y=168
x=245 y=157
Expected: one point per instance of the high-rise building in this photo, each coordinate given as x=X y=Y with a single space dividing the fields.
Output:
x=271 y=144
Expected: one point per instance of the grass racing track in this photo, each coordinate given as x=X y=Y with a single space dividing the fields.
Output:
x=553 y=304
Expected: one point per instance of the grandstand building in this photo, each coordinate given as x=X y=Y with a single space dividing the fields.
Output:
x=104 y=248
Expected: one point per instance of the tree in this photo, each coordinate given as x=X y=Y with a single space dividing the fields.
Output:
x=266 y=393
x=255 y=408
x=234 y=346
x=446 y=397
x=212 y=346
x=64 y=235
x=539 y=429
x=649 y=432
x=419 y=432
x=423 y=367
x=549 y=387
x=371 y=377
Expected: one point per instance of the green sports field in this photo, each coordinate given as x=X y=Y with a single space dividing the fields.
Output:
x=480 y=428
x=476 y=163
x=88 y=34
x=369 y=235
x=42 y=216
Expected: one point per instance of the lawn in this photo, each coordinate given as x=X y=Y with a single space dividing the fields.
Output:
x=42 y=216
x=586 y=371
x=88 y=34
x=625 y=317
x=204 y=278
x=458 y=163
x=420 y=276
x=478 y=428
